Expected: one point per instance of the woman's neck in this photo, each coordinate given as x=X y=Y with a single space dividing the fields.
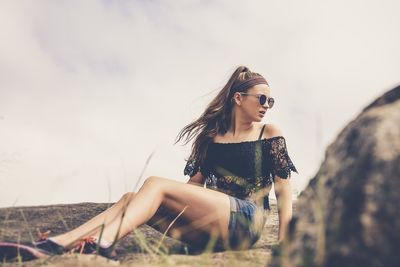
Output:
x=240 y=128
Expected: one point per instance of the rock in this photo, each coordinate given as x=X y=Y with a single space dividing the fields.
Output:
x=349 y=213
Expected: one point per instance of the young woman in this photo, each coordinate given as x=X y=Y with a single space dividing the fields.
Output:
x=234 y=161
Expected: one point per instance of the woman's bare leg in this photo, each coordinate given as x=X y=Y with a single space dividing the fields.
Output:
x=206 y=210
x=93 y=225
x=160 y=221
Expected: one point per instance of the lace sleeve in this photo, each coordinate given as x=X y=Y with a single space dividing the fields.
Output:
x=191 y=168
x=281 y=164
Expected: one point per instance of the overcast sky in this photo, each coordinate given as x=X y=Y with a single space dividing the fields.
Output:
x=89 y=89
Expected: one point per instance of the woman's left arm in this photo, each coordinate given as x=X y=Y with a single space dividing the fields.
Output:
x=283 y=193
x=281 y=164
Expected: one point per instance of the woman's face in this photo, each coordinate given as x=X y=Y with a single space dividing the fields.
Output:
x=250 y=104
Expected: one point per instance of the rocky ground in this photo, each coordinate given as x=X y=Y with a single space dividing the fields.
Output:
x=22 y=223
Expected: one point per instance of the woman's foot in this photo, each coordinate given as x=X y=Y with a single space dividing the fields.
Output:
x=50 y=246
x=86 y=245
x=89 y=245
x=17 y=251
x=42 y=248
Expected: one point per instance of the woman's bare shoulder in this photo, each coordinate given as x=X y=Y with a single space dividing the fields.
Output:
x=271 y=130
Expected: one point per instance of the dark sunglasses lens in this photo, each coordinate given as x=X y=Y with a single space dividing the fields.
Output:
x=262 y=99
x=271 y=102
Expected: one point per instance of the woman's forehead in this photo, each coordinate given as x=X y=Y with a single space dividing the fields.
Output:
x=259 y=89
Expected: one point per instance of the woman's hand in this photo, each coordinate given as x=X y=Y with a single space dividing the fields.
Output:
x=198 y=179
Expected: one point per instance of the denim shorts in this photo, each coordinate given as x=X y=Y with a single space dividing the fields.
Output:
x=243 y=231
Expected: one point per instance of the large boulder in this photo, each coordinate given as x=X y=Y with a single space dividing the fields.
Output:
x=349 y=214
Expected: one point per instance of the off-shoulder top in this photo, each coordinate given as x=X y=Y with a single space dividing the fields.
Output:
x=242 y=169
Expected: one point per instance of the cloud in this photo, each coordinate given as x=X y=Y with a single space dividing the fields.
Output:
x=89 y=89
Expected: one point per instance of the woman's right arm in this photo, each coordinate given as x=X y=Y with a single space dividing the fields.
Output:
x=197 y=179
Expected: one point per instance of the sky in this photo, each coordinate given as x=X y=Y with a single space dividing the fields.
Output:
x=92 y=90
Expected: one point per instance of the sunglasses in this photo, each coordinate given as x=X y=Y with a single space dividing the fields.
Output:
x=262 y=99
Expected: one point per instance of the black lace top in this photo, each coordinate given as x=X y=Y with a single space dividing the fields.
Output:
x=242 y=169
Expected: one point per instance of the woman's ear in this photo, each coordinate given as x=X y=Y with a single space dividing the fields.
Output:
x=236 y=98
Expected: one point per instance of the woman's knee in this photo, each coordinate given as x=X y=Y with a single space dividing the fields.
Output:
x=155 y=183
x=128 y=196
x=153 y=180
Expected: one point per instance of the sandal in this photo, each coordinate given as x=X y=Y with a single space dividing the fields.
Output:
x=88 y=245
x=42 y=248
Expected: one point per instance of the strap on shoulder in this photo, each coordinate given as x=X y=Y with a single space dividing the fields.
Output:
x=261 y=133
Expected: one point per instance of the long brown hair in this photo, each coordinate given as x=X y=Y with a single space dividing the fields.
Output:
x=216 y=119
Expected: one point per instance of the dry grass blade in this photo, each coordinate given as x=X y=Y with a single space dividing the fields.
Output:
x=144 y=168
x=27 y=225
x=8 y=214
x=126 y=204
x=63 y=221
x=100 y=237
x=169 y=226
x=19 y=258
x=146 y=246
x=211 y=244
